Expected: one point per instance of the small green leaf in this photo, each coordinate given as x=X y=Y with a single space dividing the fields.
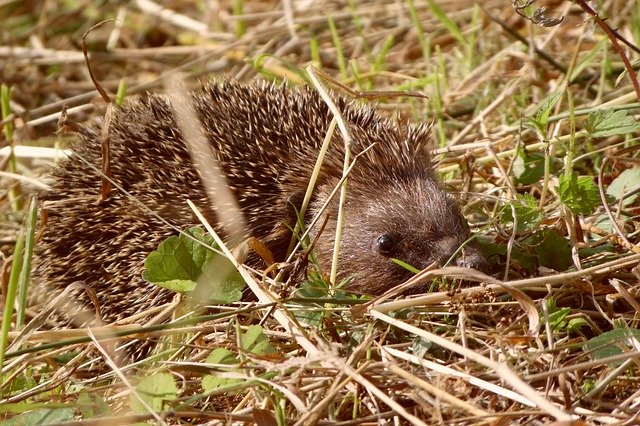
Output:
x=613 y=342
x=528 y=214
x=172 y=266
x=576 y=324
x=421 y=346
x=211 y=382
x=256 y=342
x=608 y=122
x=200 y=254
x=155 y=390
x=557 y=318
x=539 y=120
x=579 y=194
x=528 y=168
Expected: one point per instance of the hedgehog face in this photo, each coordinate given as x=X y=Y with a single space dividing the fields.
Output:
x=413 y=221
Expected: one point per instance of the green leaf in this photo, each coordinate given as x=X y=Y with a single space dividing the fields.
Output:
x=528 y=168
x=154 y=390
x=551 y=250
x=627 y=180
x=183 y=265
x=579 y=194
x=41 y=417
x=220 y=282
x=528 y=214
x=256 y=342
x=539 y=120
x=172 y=265
x=614 y=342
x=405 y=265
x=576 y=323
x=211 y=382
x=92 y=405
x=557 y=318
x=450 y=25
x=421 y=346
x=608 y=122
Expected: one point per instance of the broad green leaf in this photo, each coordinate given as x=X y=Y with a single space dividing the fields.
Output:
x=608 y=122
x=42 y=417
x=92 y=405
x=220 y=282
x=579 y=194
x=256 y=342
x=551 y=250
x=627 y=180
x=528 y=168
x=155 y=390
x=219 y=356
x=183 y=265
x=612 y=343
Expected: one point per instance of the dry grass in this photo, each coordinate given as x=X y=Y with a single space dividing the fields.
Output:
x=511 y=349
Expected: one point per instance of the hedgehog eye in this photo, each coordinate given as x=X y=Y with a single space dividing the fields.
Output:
x=385 y=244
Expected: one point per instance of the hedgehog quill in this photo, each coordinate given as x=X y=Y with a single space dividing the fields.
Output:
x=266 y=140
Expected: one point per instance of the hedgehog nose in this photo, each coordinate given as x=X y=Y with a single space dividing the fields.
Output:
x=470 y=257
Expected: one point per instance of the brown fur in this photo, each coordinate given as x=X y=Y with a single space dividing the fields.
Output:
x=266 y=139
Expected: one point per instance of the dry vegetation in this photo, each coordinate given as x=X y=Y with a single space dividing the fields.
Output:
x=552 y=336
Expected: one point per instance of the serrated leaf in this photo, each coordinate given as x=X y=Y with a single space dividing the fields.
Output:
x=627 y=180
x=155 y=390
x=579 y=194
x=613 y=342
x=527 y=213
x=256 y=342
x=608 y=122
x=211 y=382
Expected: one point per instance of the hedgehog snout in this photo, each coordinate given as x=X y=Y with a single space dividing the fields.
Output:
x=469 y=256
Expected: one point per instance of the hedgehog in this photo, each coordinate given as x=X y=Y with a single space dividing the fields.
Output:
x=266 y=138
